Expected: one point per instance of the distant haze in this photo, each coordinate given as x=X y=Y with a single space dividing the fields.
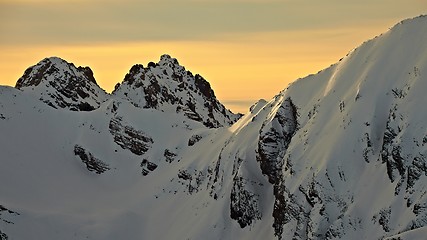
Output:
x=246 y=49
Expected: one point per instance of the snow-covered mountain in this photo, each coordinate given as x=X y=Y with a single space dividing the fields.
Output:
x=340 y=154
x=167 y=86
x=62 y=85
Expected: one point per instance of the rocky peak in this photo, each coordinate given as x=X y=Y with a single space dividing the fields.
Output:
x=168 y=86
x=62 y=85
x=167 y=60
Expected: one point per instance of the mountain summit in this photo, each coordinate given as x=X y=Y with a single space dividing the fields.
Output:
x=62 y=85
x=167 y=86
x=164 y=86
x=341 y=154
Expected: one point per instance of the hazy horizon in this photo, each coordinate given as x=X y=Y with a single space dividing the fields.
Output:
x=247 y=50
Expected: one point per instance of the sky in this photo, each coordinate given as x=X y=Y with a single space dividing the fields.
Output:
x=246 y=49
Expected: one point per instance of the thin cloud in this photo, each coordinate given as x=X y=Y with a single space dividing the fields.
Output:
x=77 y=21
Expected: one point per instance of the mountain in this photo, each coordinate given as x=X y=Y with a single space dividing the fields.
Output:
x=167 y=86
x=340 y=154
x=62 y=85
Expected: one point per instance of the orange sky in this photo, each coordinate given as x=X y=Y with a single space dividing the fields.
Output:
x=243 y=59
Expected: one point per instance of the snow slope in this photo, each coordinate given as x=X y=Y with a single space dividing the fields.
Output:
x=337 y=155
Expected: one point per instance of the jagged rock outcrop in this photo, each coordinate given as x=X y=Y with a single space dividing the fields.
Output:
x=168 y=86
x=62 y=85
x=129 y=138
x=275 y=136
x=169 y=155
x=340 y=154
x=165 y=86
x=244 y=204
x=92 y=163
x=194 y=139
x=274 y=139
x=3 y=236
x=147 y=167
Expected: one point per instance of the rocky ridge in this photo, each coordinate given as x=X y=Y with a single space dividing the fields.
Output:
x=62 y=85
x=168 y=86
x=164 y=86
x=337 y=155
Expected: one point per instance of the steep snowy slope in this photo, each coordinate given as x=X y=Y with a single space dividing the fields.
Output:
x=355 y=167
x=167 y=86
x=337 y=155
x=62 y=85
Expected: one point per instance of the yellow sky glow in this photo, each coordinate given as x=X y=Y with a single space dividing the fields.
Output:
x=246 y=49
x=242 y=68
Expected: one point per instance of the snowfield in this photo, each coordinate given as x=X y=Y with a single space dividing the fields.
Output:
x=340 y=154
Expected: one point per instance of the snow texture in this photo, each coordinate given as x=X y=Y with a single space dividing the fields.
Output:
x=340 y=154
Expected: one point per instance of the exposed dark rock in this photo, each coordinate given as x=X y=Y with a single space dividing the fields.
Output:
x=418 y=167
x=185 y=175
x=3 y=236
x=5 y=214
x=333 y=233
x=215 y=181
x=419 y=208
x=151 y=65
x=170 y=156
x=64 y=85
x=144 y=172
x=192 y=181
x=243 y=204
x=33 y=75
x=147 y=167
x=4 y=209
x=368 y=151
x=391 y=152
x=130 y=77
x=204 y=87
x=188 y=112
x=286 y=209
x=167 y=85
x=194 y=139
x=273 y=143
x=383 y=218
x=311 y=194
x=84 y=106
x=93 y=164
x=129 y=138
x=274 y=140
x=420 y=211
x=88 y=73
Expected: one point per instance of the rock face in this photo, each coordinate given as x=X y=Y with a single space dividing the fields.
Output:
x=129 y=138
x=275 y=136
x=92 y=163
x=62 y=85
x=340 y=154
x=274 y=139
x=6 y=216
x=167 y=86
x=244 y=204
x=164 y=86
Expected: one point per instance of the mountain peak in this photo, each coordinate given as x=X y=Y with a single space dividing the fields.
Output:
x=341 y=154
x=166 y=59
x=422 y=17
x=62 y=85
x=168 y=86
